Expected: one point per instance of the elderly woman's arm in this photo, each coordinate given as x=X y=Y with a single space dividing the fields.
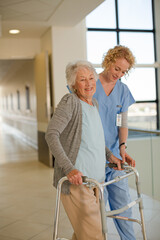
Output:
x=57 y=124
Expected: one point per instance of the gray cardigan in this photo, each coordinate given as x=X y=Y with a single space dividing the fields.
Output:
x=64 y=137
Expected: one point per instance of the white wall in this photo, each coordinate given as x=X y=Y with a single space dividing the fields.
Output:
x=46 y=42
x=146 y=152
x=68 y=44
x=12 y=48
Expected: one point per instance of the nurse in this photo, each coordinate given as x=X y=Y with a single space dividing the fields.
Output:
x=114 y=98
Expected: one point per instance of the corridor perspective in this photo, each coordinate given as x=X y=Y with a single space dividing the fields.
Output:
x=27 y=198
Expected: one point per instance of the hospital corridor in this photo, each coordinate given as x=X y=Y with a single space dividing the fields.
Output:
x=33 y=59
x=27 y=198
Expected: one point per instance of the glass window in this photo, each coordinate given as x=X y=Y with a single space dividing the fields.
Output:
x=103 y=16
x=7 y=102
x=141 y=44
x=18 y=100
x=142 y=116
x=99 y=70
x=131 y=24
x=137 y=12
x=141 y=82
x=98 y=43
x=4 y=102
x=11 y=101
x=27 y=97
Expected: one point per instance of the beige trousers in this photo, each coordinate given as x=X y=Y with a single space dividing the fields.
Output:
x=82 y=208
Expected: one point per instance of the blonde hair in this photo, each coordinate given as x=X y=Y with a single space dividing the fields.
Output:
x=73 y=67
x=118 y=52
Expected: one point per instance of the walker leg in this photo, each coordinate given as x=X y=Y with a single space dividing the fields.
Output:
x=140 y=207
x=103 y=214
x=56 y=215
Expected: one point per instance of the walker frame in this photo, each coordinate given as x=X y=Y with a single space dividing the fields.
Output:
x=128 y=171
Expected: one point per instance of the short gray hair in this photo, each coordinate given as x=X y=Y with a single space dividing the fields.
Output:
x=73 y=67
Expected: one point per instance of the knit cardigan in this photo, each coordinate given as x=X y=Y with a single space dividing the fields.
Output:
x=63 y=137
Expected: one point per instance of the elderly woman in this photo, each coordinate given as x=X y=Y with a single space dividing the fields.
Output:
x=76 y=139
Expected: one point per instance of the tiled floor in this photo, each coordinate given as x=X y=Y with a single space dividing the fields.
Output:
x=27 y=198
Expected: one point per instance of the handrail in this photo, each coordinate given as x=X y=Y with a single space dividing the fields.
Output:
x=144 y=130
x=152 y=65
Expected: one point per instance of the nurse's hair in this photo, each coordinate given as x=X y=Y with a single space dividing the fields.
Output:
x=72 y=69
x=115 y=53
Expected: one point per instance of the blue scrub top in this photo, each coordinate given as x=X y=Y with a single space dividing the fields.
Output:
x=109 y=106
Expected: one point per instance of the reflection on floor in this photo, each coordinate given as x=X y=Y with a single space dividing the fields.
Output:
x=27 y=198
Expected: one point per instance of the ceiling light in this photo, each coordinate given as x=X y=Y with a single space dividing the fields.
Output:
x=14 y=31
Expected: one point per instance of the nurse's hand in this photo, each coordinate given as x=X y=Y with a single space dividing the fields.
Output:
x=117 y=161
x=123 y=153
x=129 y=160
x=75 y=177
x=125 y=157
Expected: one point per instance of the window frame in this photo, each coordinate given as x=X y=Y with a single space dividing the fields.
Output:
x=155 y=65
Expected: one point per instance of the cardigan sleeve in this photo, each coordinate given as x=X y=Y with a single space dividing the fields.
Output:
x=57 y=124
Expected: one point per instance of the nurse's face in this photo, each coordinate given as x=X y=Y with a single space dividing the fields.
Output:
x=118 y=69
x=85 y=85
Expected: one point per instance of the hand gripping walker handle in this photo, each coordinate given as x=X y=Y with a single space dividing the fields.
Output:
x=112 y=165
x=84 y=179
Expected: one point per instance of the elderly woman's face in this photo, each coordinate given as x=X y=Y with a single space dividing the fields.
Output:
x=85 y=84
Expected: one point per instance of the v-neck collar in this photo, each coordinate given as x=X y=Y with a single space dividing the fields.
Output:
x=112 y=89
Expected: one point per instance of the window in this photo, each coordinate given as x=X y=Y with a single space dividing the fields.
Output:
x=128 y=23
x=3 y=103
x=27 y=97
x=11 y=97
x=7 y=102
x=18 y=100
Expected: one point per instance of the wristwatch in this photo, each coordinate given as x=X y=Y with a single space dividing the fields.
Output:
x=125 y=144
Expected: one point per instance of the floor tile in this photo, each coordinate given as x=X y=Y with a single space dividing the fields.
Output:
x=22 y=230
x=28 y=199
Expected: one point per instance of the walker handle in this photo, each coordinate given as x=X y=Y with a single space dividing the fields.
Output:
x=84 y=179
x=112 y=165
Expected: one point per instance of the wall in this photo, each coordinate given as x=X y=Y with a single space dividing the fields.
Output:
x=69 y=44
x=46 y=42
x=146 y=152
x=12 y=48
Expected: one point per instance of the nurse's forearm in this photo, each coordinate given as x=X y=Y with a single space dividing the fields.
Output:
x=123 y=130
x=123 y=135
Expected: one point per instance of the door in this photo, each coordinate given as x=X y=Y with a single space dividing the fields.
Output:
x=43 y=100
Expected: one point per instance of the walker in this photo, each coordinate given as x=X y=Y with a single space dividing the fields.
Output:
x=129 y=171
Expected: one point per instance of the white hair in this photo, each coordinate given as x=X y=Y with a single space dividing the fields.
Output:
x=73 y=67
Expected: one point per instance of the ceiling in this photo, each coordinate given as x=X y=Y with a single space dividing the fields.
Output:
x=29 y=16
x=34 y=17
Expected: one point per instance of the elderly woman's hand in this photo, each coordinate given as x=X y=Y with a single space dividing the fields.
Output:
x=75 y=177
